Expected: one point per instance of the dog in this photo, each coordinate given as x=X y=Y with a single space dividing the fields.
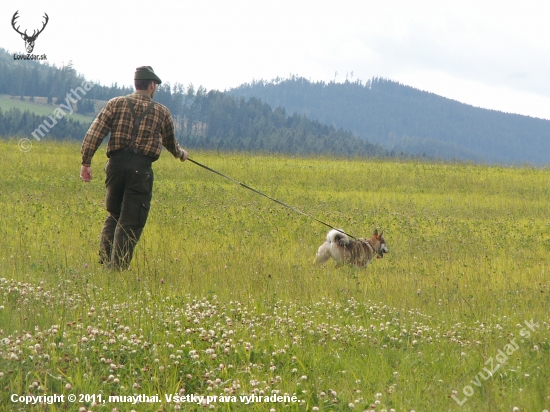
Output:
x=357 y=252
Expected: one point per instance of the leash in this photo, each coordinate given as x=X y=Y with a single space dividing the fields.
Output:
x=268 y=197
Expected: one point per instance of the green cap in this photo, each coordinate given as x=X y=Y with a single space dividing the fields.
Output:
x=146 y=73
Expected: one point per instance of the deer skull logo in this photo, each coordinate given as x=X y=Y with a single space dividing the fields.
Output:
x=29 y=40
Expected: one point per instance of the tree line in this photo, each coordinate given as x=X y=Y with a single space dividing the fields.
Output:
x=251 y=125
x=17 y=123
x=204 y=119
x=404 y=119
x=33 y=79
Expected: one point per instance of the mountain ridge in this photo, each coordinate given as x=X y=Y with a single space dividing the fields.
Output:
x=400 y=117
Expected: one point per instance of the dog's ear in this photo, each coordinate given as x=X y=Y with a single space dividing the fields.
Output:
x=381 y=233
x=375 y=232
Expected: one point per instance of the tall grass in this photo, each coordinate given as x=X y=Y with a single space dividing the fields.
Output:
x=222 y=296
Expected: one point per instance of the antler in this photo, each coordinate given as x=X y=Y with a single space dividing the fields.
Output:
x=43 y=26
x=35 y=33
x=15 y=16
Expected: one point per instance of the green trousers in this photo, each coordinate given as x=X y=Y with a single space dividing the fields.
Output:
x=129 y=184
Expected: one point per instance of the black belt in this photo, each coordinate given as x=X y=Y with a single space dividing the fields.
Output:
x=131 y=152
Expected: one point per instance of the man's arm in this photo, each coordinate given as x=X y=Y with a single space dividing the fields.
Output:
x=169 y=139
x=99 y=129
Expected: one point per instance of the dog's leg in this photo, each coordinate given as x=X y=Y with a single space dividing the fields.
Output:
x=323 y=254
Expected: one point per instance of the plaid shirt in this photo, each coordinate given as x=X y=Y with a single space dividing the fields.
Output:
x=156 y=129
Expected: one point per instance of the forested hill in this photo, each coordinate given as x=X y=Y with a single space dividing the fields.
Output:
x=402 y=118
x=34 y=79
x=204 y=119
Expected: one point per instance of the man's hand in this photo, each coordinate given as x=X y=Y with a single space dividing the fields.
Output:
x=86 y=173
x=185 y=155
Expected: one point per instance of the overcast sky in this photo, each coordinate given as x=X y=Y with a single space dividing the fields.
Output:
x=491 y=54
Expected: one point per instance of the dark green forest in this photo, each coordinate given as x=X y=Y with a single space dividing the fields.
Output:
x=31 y=78
x=204 y=119
x=17 y=123
x=296 y=116
x=251 y=125
x=404 y=119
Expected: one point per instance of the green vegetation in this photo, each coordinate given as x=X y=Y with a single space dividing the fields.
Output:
x=222 y=297
x=7 y=103
x=404 y=119
x=29 y=125
x=32 y=78
x=235 y=124
x=204 y=119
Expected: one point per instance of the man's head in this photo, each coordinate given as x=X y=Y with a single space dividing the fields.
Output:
x=146 y=79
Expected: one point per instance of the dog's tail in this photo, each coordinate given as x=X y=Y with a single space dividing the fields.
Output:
x=337 y=236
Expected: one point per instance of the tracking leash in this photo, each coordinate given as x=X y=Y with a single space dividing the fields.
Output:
x=269 y=197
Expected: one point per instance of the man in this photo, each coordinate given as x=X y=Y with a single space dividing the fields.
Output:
x=139 y=128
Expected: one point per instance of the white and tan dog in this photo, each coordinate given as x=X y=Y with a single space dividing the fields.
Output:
x=344 y=250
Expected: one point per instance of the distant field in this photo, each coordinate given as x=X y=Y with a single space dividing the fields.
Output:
x=222 y=299
x=42 y=109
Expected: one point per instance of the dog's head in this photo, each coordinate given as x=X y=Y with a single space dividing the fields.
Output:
x=382 y=244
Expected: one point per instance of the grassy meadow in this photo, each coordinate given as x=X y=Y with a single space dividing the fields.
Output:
x=222 y=299
x=40 y=107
